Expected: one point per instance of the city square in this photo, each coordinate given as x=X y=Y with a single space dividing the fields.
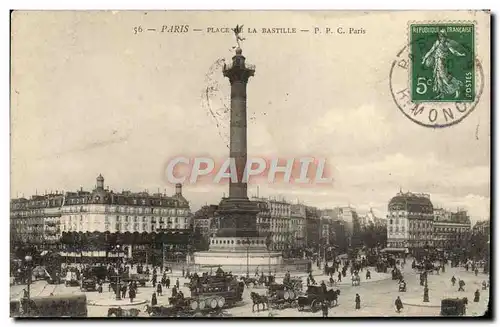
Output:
x=377 y=296
x=376 y=234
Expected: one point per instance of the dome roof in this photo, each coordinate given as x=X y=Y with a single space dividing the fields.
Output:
x=411 y=202
x=100 y=178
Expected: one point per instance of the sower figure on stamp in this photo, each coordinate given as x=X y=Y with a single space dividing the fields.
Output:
x=436 y=59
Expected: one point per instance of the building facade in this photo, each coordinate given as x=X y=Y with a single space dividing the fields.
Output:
x=313 y=227
x=298 y=225
x=274 y=220
x=482 y=227
x=89 y=221
x=450 y=229
x=36 y=220
x=410 y=221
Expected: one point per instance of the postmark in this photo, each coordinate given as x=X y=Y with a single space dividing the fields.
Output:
x=431 y=109
x=442 y=65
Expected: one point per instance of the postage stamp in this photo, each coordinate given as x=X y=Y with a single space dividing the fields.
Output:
x=436 y=80
x=442 y=65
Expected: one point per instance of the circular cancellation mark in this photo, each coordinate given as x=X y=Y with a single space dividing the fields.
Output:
x=428 y=114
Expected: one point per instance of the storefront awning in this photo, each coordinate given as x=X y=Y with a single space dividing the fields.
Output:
x=394 y=250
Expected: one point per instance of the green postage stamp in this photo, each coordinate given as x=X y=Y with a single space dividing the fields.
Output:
x=442 y=62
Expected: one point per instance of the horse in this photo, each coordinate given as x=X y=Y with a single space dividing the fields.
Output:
x=258 y=299
x=119 y=312
x=333 y=296
x=159 y=311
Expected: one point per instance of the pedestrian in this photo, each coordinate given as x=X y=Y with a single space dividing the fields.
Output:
x=476 y=296
x=167 y=282
x=183 y=272
x=174 y=291
x=177 y=284
x=164 y=280
x=368 y=274
x=461 y=285
x=308 y=282
x=340 y=277
x=124 y=291
x=399 y=304
x=323 y=287
x=153 y=280
x=453 y=281
x=476 y=271
x=358 y=301
x=154 y=300
x=159 y=289
x=99 y=287
x=324 y=307
x=131 y=294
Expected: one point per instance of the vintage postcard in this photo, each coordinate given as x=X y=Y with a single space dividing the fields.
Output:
x=250 y=164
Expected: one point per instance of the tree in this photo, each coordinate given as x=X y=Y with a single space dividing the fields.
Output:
x=373 y=235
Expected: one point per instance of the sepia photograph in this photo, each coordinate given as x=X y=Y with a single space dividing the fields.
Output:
x=250 y=164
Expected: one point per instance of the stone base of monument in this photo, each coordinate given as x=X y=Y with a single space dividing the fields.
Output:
x=239 y=254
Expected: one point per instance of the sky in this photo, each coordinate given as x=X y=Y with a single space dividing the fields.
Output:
x=90 y=97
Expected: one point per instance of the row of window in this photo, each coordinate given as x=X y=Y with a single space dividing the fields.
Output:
x=136 y=227
x=132 y=210
x=135 y=219
x=239 y=242
x=451 y=229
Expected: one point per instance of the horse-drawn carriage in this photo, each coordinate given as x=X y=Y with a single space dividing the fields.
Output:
x=51 y=306
x=89 y=284
x=281 y=296
x=295 y=284
x=162 y=311
x=119 y=312
x=262 y=281
x=140 y=279
x=315 y=296
x=454 y=307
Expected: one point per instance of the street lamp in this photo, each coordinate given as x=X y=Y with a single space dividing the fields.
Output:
x=118 y=277
x=269 y=244
x=28 y=260
x=247 y=243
